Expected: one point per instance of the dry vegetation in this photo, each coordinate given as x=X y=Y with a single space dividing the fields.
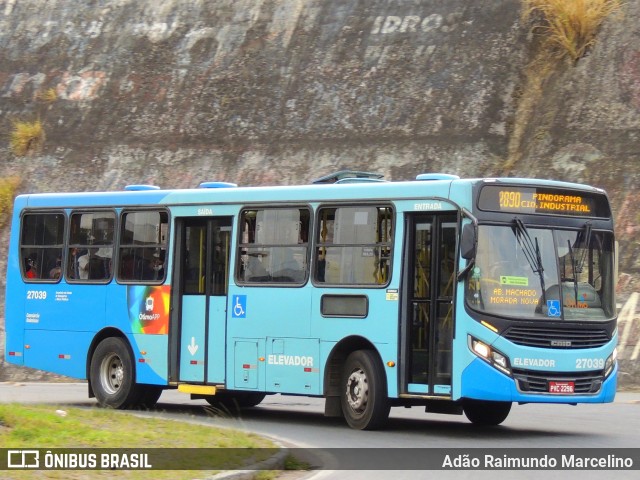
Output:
x=49 y=95
x=566 y=29
x=569 y=26
x=26 y=137
x=8 y=187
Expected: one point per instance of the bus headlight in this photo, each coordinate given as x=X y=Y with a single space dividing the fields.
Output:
x=490 y=355
x=610 y=363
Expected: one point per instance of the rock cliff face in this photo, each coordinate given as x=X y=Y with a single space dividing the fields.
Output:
x=282 y=91
x=261 y=91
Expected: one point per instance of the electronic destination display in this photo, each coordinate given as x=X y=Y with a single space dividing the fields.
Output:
x=543 y=201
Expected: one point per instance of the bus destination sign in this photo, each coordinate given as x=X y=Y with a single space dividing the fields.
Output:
x=536 y=200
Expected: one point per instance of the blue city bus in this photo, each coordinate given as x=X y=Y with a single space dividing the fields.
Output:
x=456 y=295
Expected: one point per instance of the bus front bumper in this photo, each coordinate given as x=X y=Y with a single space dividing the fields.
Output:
x=481 y=381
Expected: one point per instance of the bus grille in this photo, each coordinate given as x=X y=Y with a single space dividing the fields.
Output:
x=564 y=338
x=538 y=382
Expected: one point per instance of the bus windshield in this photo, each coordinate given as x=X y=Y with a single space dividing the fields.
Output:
x=537 y=273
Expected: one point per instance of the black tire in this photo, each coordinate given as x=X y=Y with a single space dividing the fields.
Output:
x=112 y=374
x=233 y=400
x=149 y=396
x=250 y=399
x=486 y=413
x=363 y=396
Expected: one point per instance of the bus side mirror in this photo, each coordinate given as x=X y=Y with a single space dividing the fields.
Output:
x=468 y=241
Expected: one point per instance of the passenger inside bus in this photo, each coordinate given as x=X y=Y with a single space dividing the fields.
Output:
x=92 y=266
x=127 y=267
x=155 y=268
x=83 y=265
x=30 y=268
x=56 y=271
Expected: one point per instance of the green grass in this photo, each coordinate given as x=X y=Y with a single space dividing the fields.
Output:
x=291 y=463
x=39 y=426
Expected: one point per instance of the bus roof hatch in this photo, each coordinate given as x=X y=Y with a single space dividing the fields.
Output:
x=349 y=176
x=437 y=176
x=217 y=185
x=138 y=188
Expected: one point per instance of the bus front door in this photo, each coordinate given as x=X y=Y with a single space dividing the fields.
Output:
x=429 y=276
x=201 y=270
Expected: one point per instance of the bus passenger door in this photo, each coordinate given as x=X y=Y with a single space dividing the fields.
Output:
x=201 y=276
x=427 y=322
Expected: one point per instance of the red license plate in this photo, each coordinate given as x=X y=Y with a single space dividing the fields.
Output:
x=561 y=387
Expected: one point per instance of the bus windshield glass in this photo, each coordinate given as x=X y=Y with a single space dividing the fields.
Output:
x=534 y=273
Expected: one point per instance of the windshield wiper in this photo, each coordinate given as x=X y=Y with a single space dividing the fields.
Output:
x=531 y=252
x=540 y=272
x=574 y=267
x=583 y=239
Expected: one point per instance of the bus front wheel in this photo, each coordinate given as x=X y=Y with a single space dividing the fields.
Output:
x=364 y=401
x=112 y=374
x=149 y=396
x=486 y=413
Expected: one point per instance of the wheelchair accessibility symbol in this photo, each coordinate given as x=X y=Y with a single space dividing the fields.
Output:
x=553 y=308
x=239 y=308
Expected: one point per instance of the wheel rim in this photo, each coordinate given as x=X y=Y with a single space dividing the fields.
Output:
x=358 y=391
x=112 y=373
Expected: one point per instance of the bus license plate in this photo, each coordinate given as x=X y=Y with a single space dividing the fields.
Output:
x=561 y=387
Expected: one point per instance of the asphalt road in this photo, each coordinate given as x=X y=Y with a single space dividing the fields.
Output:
x=299 y=421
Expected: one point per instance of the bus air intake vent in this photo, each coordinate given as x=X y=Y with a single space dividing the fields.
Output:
x=538 y=382
x=561 y=338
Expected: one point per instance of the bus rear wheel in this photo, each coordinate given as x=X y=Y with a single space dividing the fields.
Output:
x=364 y=401
x=112 y=375
x=486 y=413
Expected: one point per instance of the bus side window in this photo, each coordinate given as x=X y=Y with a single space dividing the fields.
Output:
x=90 y=254
x=274 y=246
x=143 y=244
x=41 y=240
x=354 y=245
